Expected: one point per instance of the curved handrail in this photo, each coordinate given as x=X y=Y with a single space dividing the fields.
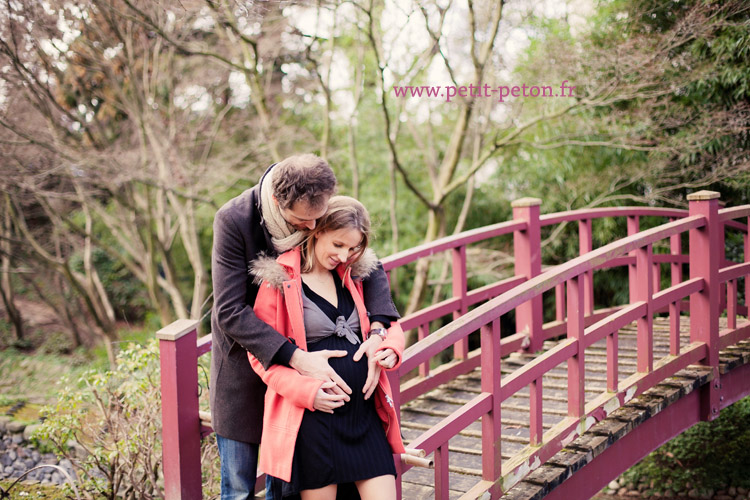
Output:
x=474 y=235
x=598 y=213
x=509 y=300
x=729 y=214
x=449 y=242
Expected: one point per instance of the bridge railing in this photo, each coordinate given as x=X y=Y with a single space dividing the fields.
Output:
x=705 y=226
x=575 y=316
x=531 y=331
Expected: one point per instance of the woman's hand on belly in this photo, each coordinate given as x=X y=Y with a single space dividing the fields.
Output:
x=369 y=347
x=327 y=399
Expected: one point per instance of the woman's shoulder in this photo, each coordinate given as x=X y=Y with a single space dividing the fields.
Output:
x=365 y=265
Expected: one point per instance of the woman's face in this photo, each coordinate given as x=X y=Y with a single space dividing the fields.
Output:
x=335 y=247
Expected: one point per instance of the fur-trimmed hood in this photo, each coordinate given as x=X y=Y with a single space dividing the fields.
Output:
x=268 y=269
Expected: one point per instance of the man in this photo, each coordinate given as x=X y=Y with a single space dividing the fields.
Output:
x=269 y=218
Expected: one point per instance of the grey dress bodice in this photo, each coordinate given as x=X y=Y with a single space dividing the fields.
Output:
x=319 y=326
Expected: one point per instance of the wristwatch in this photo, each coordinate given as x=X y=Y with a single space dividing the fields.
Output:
x=381 y=332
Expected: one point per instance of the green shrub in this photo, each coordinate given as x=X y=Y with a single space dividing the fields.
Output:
x=108 y=424
x=709 y=455
x=56 y=343
x=8 y=400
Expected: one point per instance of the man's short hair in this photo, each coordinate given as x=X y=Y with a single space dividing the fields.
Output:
x=306 y=178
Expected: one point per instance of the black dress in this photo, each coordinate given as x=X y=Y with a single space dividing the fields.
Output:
x=349 y=444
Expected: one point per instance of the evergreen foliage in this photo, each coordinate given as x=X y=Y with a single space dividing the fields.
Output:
x=709 y=455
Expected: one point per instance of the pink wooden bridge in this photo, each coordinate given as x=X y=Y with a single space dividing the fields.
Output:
x=555 y=409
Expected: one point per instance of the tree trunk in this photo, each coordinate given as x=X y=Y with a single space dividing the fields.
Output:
x=191 y=240
x=67 y=312
x=435 y=225
x=6 y=286
x=67 y=294
x=436 y=296
x=169 y=283
x=394 y=224
x=351 y=133
x=10 y=307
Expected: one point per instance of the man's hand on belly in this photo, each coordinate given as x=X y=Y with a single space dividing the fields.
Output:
x=315 y=365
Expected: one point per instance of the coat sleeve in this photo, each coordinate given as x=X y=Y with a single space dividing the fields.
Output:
x=394 y=340
x=230 y=277
x=288 y=383
x=377 y=294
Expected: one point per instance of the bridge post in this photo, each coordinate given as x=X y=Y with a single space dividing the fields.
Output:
x=181 y=434
x=746 y=253
x=633 y=227
x=644 y=289
x=675 y=247
x=491 y=425
x=576 y=363
x=705 y=253
x=585 y=245
x=527 y=250
x=460 y=279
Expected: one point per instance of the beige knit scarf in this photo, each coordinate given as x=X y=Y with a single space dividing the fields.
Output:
x=284 y=235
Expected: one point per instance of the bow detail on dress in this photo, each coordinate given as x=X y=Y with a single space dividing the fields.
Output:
x=344 y=329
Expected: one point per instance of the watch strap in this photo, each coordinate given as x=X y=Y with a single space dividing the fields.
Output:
x=381 y=332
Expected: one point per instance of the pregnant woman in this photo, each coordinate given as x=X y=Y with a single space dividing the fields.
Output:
x=312 y=439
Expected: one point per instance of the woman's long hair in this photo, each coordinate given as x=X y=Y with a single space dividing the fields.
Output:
x=343 y=212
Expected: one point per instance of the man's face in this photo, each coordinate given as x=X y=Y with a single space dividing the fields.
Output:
x=302 y=216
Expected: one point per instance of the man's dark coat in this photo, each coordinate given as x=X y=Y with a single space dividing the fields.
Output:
x=237 y=392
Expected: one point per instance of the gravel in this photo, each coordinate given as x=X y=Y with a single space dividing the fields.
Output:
x=17 y=456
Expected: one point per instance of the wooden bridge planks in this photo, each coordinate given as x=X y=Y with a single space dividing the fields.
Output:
x=465 y=449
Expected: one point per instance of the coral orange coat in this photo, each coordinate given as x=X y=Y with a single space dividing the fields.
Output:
x=279 y=303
